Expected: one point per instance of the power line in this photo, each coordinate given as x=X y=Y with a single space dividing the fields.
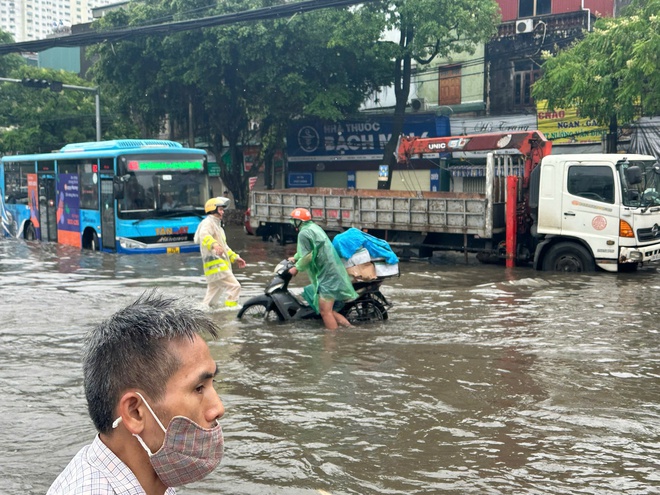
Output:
x=93 y=37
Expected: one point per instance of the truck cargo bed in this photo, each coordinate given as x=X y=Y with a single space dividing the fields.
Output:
x=339 y=209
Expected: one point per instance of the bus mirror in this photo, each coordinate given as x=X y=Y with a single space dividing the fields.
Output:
x=117 y=188
x=633 y=175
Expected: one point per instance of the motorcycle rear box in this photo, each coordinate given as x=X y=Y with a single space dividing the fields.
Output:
x=386 y=269
x=359 y=257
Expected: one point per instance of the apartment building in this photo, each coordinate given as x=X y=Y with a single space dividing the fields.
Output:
x=29 y=20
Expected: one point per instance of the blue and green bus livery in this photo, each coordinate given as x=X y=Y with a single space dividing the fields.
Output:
x=125 y=196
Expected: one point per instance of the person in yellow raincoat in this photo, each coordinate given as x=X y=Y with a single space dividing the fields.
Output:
x=316 y=256
x=217 y=257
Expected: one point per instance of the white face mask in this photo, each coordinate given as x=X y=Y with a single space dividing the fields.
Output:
x=189 y=452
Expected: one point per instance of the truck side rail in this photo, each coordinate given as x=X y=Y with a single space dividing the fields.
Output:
x=339 y=209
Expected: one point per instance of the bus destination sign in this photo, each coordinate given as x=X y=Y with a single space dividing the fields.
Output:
x=135 y=165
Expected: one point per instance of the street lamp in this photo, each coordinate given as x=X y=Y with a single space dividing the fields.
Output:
x=57 y=86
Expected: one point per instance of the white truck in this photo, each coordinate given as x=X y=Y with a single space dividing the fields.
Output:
x=561 y=212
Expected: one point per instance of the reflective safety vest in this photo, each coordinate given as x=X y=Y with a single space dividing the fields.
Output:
x=215 y=265
x=208 y=233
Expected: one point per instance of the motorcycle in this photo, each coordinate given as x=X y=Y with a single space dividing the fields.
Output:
x=279 y=304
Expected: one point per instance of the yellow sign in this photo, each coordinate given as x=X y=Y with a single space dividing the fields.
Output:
x=564 y=126
x=172 y=250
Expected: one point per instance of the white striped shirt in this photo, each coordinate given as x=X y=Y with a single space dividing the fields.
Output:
x=96 y=470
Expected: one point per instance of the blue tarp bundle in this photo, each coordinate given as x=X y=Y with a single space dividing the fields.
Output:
x=347 y=243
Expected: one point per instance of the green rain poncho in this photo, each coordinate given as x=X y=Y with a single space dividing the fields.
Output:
x=317 y=257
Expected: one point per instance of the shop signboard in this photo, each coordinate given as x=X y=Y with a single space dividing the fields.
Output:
x=565 y=126
x=300 y=179
x=360 y=139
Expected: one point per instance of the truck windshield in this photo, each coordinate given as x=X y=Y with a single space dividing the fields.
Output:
x=640 y=183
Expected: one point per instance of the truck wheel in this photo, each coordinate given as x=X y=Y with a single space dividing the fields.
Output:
x=568 y=257
x=282 y=233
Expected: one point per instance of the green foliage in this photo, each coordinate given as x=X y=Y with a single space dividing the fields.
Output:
x=611 y=74
x=426 y=29
x=9 y=63
x=39 y=120
x=322 y=64
x=431 y=28
x=34 y=120
x=266 y=71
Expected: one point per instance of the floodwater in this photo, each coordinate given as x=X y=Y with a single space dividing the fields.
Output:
x=483 y=380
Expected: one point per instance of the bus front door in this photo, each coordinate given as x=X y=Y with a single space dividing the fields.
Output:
x=107 y=215
x=48 y=208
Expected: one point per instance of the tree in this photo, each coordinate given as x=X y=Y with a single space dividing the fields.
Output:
x=426 y=29
x=225 y=77
x=40 y=120
x=612 y=75
x=11 y=62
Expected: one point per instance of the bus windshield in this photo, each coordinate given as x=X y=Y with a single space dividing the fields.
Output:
x=161 y=185
x=640 y=182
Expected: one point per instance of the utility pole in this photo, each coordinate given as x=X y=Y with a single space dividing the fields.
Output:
x=56 y=87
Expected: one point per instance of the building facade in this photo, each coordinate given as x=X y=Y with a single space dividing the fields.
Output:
x=28 y=20
x=490 y=91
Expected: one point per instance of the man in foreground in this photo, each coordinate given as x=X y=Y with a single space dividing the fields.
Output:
x=148 y=379
x=217 y=256
x=316 y=256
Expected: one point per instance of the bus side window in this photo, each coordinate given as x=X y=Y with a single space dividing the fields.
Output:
x=89 y=194
x=16 y=182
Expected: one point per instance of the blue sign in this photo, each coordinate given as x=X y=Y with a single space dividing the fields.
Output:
x=300 y=179
x=435 y=180
x=350 y=180
x=358 y=139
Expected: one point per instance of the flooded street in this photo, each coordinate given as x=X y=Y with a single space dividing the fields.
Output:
x=483 y=380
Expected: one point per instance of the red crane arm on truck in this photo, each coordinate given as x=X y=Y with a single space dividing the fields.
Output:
x=522 y=141
x=532 y=144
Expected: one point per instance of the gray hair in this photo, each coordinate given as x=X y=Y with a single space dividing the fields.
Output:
x=131 y=350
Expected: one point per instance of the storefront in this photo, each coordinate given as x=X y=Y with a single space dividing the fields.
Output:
x=347 y=154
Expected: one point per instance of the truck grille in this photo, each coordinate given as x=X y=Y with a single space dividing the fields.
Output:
x=650 y=234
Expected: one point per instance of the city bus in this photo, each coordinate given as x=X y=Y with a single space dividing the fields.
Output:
x=124 y=196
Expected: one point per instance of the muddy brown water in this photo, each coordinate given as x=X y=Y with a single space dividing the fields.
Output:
x=483 y=380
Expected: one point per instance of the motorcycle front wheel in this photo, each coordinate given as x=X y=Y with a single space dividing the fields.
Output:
x=259 y=311
x=365 y=310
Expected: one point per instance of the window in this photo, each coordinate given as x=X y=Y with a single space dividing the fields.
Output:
x=87 y=171
x=89 y=193
x=530 y=8
x=449 y=86
x=16 y=182
x=595 y=183
x=525 y=73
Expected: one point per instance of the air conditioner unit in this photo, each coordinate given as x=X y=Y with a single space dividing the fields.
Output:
x=524 y=26
x=418 y=104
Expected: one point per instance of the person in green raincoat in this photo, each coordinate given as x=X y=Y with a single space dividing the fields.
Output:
x=330 y=281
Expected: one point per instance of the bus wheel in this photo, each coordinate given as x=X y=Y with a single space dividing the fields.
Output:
x=94 y=242
x=568 y=257
x=29 y=234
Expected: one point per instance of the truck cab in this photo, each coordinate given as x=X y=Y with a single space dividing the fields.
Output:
x=595 y=210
